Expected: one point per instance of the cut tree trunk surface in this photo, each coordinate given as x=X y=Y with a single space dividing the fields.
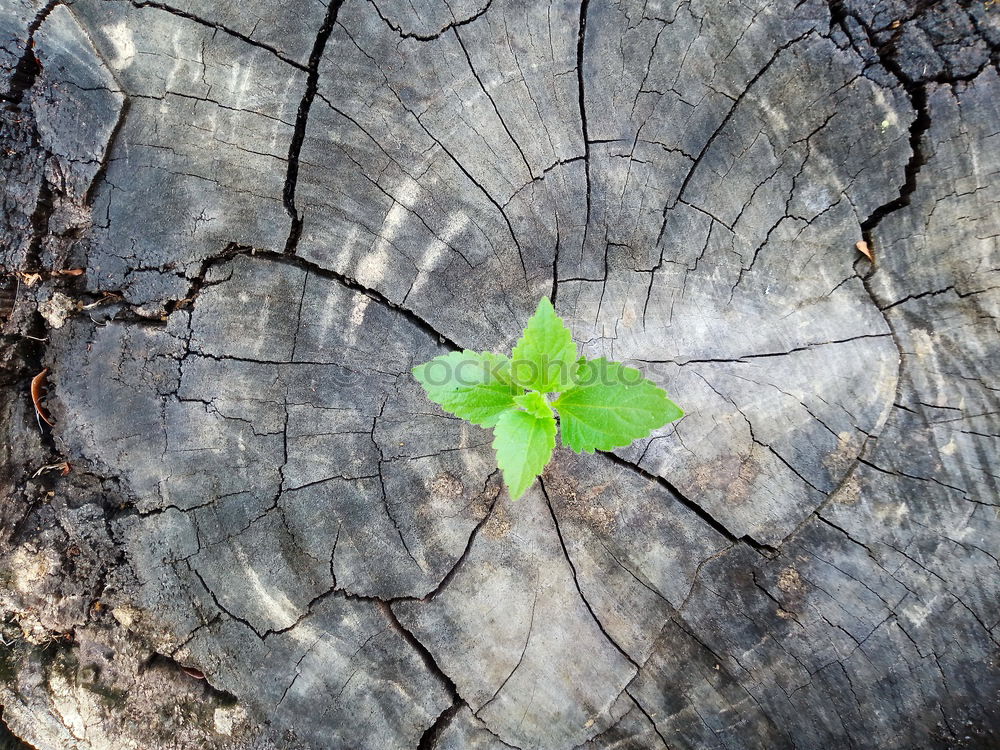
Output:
x=266 y=537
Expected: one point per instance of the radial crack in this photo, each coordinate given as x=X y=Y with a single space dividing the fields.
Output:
x=301 y=120
x=576 y=581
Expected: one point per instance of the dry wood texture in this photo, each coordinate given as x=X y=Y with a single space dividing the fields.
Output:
x=268 y=538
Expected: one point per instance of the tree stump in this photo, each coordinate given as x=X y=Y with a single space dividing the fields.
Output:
x=232 y=228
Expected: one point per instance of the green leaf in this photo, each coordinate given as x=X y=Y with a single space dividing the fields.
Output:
x=472 y=385
x=534 y=403
x=524 y=445
x=544 y=359
x=611 y=406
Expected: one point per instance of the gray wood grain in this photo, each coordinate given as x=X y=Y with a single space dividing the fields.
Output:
x=268 y=538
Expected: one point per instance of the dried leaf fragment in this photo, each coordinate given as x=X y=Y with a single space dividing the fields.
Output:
x=71 y=272
x=37 y=384
x=29 y=279
x=863 y=248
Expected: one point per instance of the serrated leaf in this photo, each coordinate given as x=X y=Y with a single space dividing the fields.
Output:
x=524 y=445
x=611 y=406
x=544 y=359
x=534 y=403
x=475 y=386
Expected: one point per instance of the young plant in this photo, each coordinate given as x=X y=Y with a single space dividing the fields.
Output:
x=600 y=405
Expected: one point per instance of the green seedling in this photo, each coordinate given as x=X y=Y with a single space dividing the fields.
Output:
x=600 y=405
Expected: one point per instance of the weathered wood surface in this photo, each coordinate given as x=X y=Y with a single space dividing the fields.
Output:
x=282 y=206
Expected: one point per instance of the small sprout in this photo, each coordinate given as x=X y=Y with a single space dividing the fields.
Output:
x=601 y=405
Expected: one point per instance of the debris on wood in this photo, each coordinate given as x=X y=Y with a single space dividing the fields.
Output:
x=108 y=297
x=57 y=309
x=37 y=384
x=63 y=467
x=192 y=672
